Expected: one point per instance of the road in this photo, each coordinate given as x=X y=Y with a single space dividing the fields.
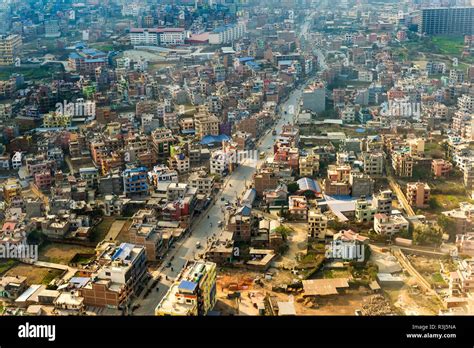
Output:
x=235 y=185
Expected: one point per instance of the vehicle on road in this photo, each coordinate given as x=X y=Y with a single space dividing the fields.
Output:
x=262 y=155
x=274 y=132
x=222 y=199
x=220 y=223
x=198 y=245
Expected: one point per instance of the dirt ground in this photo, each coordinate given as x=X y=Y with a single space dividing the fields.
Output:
x=297 y=242
x=343 y=304
x=410 y=301
x=34 y=275
x=62 y=253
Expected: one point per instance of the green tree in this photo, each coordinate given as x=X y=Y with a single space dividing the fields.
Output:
x=447 y=225
x=293 y=187
x=427 y=235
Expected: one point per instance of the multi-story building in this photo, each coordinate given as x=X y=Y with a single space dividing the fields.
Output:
x=227 y=34
x=364 y=211
x=462 y=218
x=205 y=124
x=121 y=271
x=193 y=292
x=202 y=182
x=373 y=162
x=447 y=21
x=317 y=224
x=382 y=202
x=86 y=61
x=441 y=168
x=402 y=164
x=157 y=36
x=389 y=224
x=10 y=47
x=298 y=208
x=135 y=182
x=462 y=280
x=309 y=165
x=418 y=194
x=162 y=139
x=91 y=176
x=314 y=98
x=57 y=120
x=264 y=180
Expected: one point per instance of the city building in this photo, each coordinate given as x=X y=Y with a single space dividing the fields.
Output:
x=389 y=224
x=447 y=21
x=192 y=293
x=418 y=194
x=135 y=182
x=10 y=48
x=317 y=224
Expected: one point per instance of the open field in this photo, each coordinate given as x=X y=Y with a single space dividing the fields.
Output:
x=33 y=73
x=99 y=231
x=62 y=253
x=34 y=275
x=6 y=264
x=449 y=45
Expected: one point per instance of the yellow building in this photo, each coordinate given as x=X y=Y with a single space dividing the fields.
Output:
x=10 y=47
x=193 y=293
x=11 y=190
x=56 y=120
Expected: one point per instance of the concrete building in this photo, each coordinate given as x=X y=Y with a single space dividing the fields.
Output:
x=441 y=168
x=389 y=224
x=364 y=211
x=193 y=292
x=117 y=279
x=402 y=164
x=135 y=182
x=10 y=47
x=317 y=224
x=418 y=194
x=227 y=34
x=309 y=166
x=314 y=98
x=202 y=182
x=447 y=21
x=373 y=163
x=382 y=202
x=157 y=36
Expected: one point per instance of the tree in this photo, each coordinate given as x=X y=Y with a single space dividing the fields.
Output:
x=447 y=225
x=427 y=235
x=293 y=187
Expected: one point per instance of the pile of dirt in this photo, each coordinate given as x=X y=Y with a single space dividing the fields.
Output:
x=376 y=305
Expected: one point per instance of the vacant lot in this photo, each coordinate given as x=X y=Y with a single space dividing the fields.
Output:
x=33 y=274
x=99 y=231
x=449 y=45
x=5 y=265
x=62 y=253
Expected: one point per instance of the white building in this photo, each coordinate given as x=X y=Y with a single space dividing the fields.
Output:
x=17 y=160
x=227 y=34
x=389 y=224
x=154 y=36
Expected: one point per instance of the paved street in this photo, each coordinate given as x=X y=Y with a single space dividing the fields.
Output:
x=204 y=228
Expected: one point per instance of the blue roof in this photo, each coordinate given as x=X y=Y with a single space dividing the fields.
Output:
x=305 y=184
x=209 y=139
x=187 y=285
x=246 y=59
x=74 y=55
